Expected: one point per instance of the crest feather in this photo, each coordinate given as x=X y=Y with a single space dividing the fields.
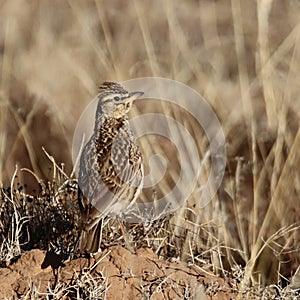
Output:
x=112 y=87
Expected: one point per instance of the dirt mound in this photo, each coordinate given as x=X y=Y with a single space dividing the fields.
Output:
x=114 y=273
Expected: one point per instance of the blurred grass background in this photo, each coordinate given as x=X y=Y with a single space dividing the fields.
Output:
x=242 y=56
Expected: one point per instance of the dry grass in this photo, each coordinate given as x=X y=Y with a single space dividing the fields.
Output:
x=242 y=56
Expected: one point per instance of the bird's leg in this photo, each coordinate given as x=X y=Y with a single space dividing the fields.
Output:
x=127 y=237
x=122 y=228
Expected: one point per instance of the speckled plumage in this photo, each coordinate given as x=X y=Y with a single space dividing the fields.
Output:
x=111 y=168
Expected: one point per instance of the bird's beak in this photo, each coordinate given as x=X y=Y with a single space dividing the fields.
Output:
x=133 y=96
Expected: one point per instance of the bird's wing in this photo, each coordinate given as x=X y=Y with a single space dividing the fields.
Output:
x=110 y=182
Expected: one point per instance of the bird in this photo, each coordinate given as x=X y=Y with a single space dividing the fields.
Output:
x=111 y=171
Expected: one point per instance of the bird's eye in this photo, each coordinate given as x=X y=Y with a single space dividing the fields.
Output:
x=116 y=98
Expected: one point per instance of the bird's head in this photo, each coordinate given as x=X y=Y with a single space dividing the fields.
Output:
x=114 y=100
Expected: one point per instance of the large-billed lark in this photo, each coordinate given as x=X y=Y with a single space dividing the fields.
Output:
x=111 y=167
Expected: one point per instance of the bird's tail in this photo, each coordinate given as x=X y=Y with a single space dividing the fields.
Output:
x=90 y=238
